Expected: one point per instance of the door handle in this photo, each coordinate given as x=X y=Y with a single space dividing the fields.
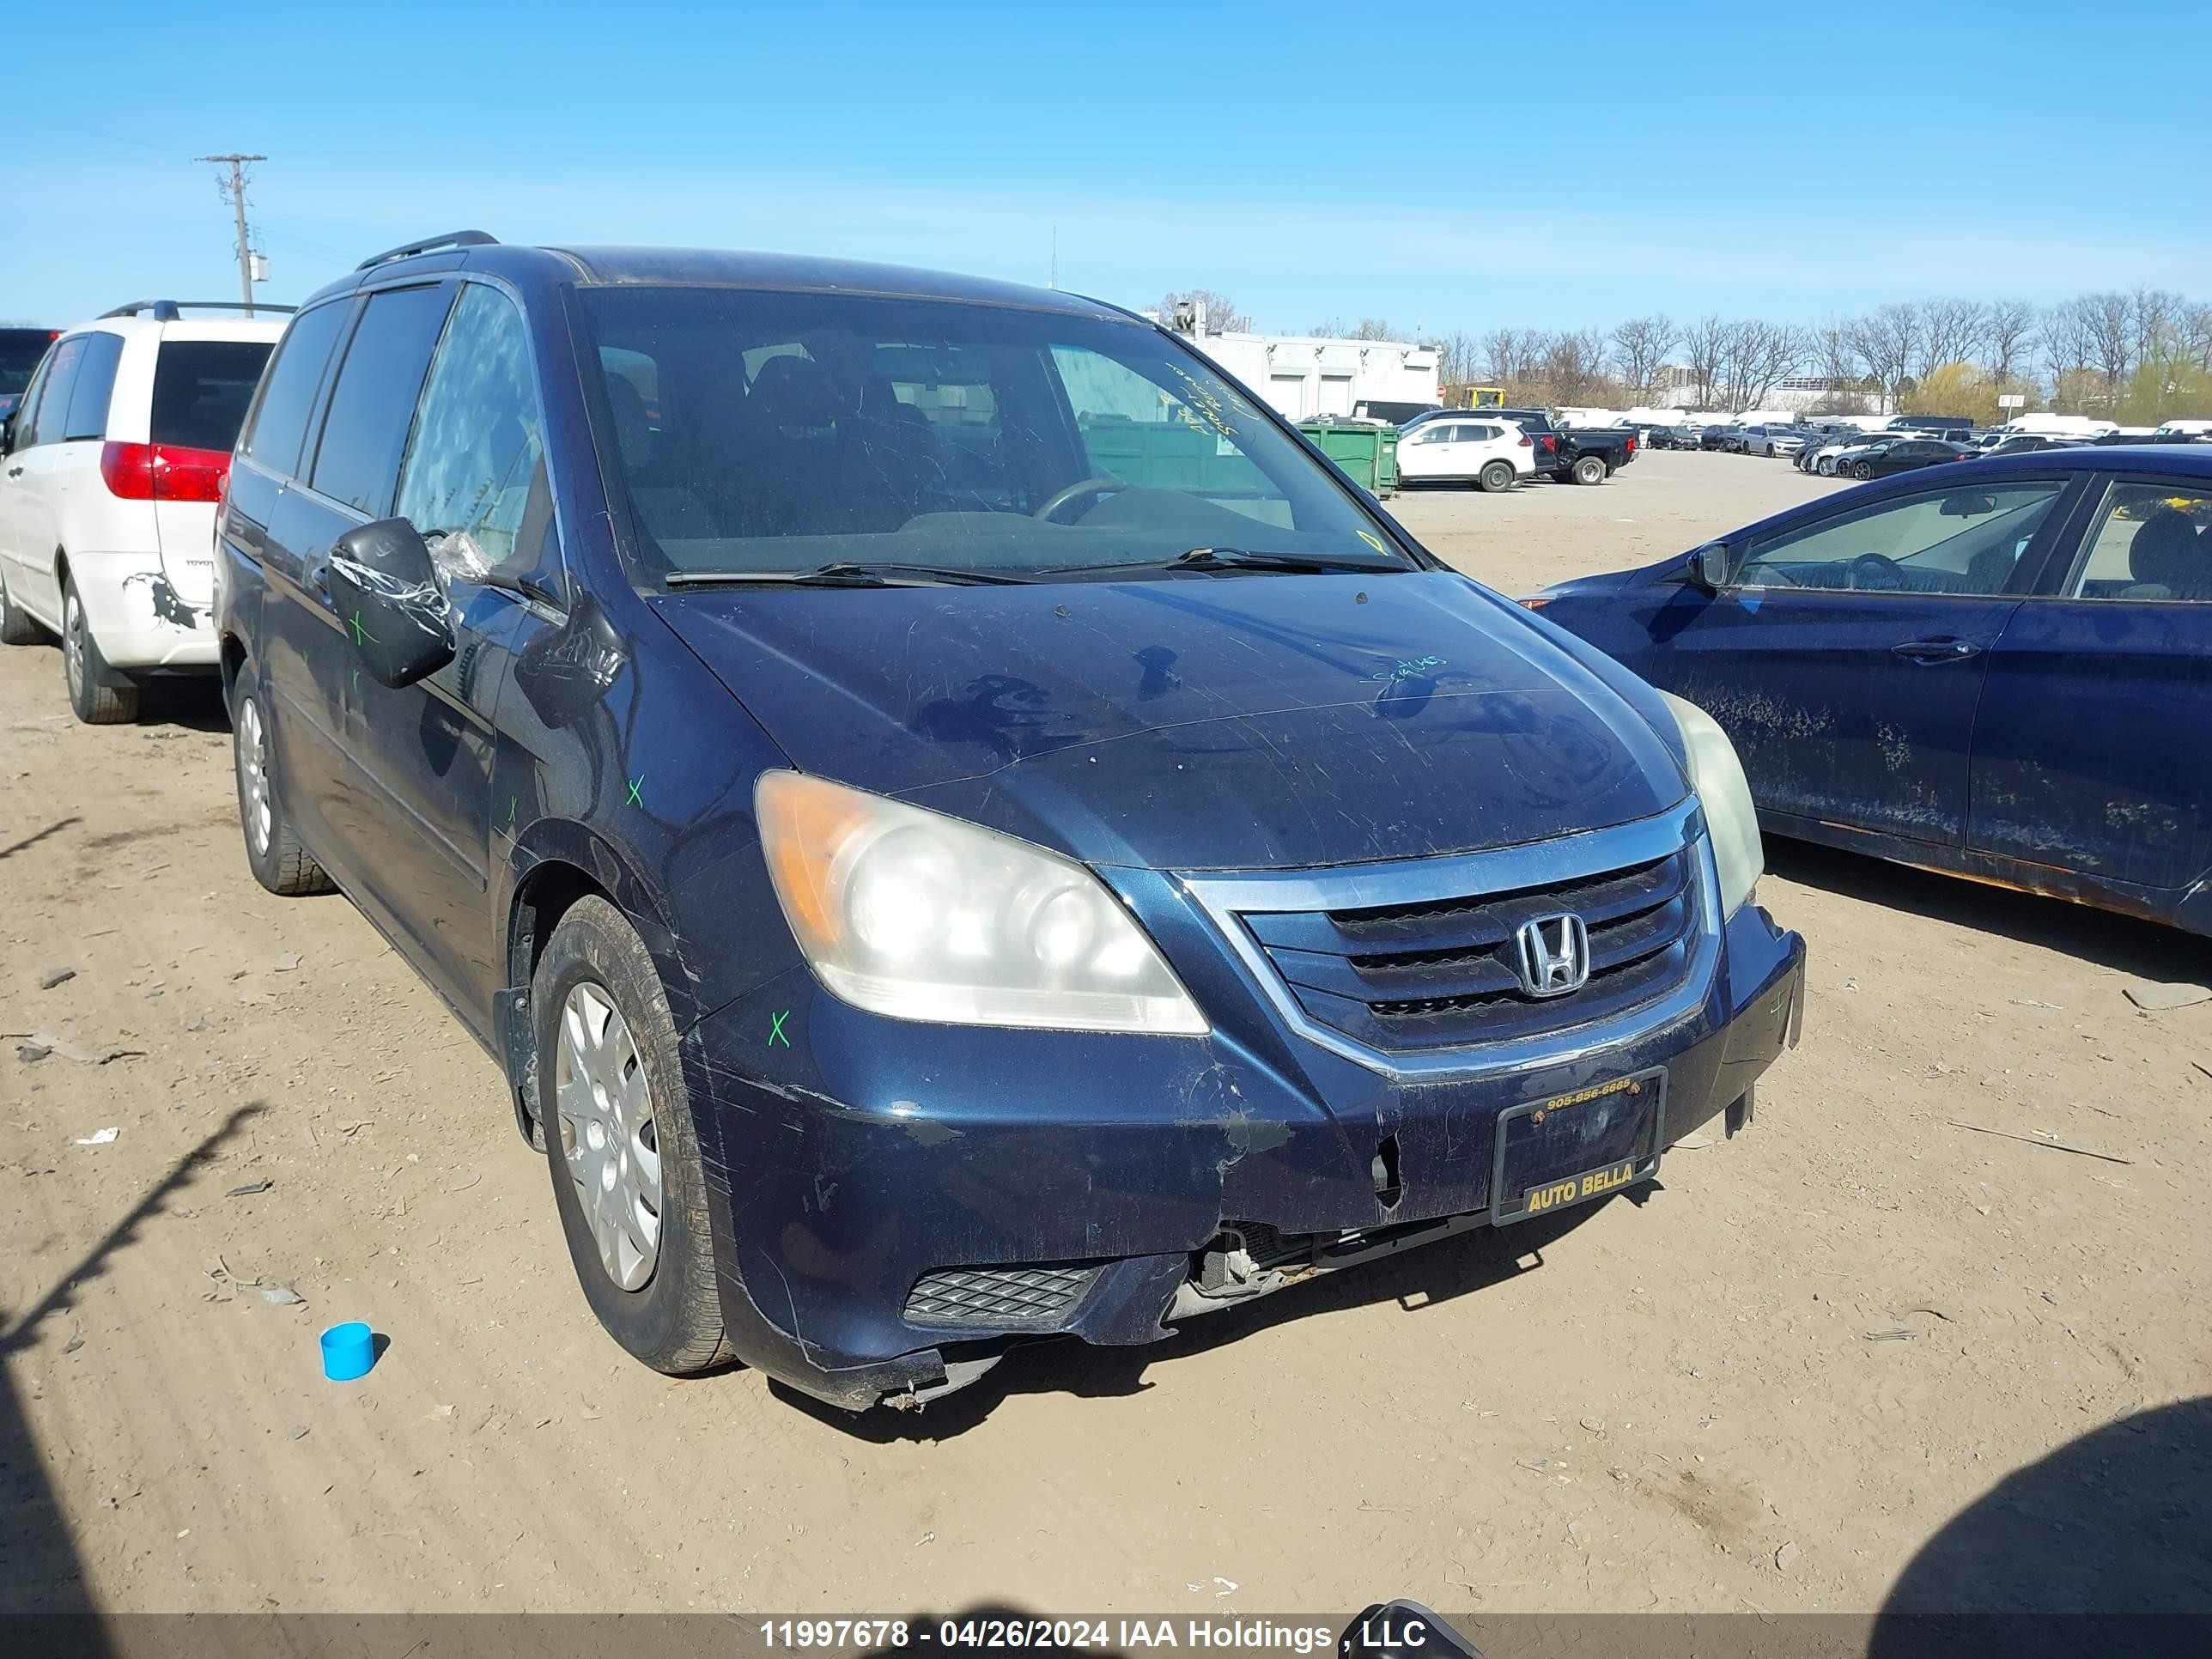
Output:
x=1936 y=650
x=320 y=577
x=15 y=472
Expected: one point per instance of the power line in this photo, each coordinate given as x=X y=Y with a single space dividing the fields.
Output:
x=234 y=193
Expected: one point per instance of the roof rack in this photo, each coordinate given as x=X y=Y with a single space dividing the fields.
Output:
x=450 y=239
x=164 y=311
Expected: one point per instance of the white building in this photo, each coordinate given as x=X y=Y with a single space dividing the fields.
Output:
x=1303 y=374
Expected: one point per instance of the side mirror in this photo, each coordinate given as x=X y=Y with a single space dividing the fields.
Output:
x=1707 y=567
x=391 y=601
x=7 y=431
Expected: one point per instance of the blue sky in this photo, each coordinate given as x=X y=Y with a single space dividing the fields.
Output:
x=1444 y=167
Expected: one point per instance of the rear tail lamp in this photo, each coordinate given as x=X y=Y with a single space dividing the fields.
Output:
x=163 y=472
x=1527 y=442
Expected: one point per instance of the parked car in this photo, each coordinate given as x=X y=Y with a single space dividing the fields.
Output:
x=1587 y=455
x=114 y=463
x=1834 y=457
x=1771 y=441
x=2026 y=443
x=19 y=351
x=822 y=728
x=1721 y=437
x=1955 y=428
x=1492 y=455
x=1674 y=437
x=1879 y=460
x=2002 y=669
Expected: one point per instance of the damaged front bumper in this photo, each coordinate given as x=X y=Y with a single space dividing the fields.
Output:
x=896 y=1204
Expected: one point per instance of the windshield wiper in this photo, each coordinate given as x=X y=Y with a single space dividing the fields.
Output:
x=1238 y=558
x=843 y=572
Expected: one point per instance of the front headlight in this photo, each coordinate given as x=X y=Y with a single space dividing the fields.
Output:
x=1730 y=819
x=909 y=913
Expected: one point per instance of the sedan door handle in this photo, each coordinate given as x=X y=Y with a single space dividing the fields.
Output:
x=15 y=472
x=1936 y=650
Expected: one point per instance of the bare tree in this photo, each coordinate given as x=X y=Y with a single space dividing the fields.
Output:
x=1640 y=345
x=1951 y=331
x=1753 y=356
x=2064 y=332
x=2110 y=321
x=1374 y=328
x=2008 y=326
x=1705 y=343
x=1572 y=366
x=1502 y=354
x=1459 y=359
x=2157 y=315
x=2197 y=335
x=1887 y=341
x=1220 y=312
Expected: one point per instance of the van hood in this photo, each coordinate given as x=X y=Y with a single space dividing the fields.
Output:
x=1213 y=722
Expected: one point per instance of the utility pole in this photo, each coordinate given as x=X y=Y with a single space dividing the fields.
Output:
x=234 y=192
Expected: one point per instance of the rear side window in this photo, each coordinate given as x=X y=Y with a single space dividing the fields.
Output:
x=2150 y=543
x=281 y=424
x=51 y=417
x=373 y=405
x=201 y=389
x=95 y=383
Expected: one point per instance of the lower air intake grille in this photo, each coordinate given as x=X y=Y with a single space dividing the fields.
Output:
x=999 y=1297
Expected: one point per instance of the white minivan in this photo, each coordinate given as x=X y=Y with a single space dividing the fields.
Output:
x=1493 y=454
x=111 y=466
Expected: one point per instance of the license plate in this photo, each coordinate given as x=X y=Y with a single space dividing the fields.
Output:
x=1575 y=1147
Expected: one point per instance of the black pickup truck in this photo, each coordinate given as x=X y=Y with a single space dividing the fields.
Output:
x=1587 y=455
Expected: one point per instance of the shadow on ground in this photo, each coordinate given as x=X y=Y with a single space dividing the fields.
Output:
x=40 y=1573
x=2116 y=1525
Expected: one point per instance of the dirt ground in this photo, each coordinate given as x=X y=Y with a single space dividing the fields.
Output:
x=1768 y=1383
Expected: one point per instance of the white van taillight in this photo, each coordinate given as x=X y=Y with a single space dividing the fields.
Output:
x=163 y=472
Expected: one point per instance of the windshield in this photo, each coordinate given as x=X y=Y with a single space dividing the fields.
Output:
x=19 y=351
x=763 y=432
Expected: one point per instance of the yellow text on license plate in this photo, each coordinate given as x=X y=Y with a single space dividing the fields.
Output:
x=1575 y=1188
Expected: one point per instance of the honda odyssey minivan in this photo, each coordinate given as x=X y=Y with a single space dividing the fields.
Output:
x=956 y=823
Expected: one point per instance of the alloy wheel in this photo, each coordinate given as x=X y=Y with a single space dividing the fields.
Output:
x=253 y=776
x=73 y=642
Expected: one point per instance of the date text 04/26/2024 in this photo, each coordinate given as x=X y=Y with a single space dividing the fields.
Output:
x=1110 y=1635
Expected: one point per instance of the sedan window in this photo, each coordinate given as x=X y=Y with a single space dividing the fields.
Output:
x=2152 y=542
x=1947 y=541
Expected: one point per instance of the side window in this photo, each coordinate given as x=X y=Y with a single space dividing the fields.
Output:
x=1152 y=437
x=2150 y=542
x=26 y=407
x=475 y=466
x=95 y=383
x=50 y=418
x=373 y=405
x=1960 y=540
x=288 y=390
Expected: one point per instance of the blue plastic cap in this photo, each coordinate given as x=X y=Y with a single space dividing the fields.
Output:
x=349 y=1351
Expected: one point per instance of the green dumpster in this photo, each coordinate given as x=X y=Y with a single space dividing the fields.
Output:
x=1369 y=453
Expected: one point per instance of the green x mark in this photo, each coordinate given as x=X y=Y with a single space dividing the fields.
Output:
x=775 y=1030
x=636 y=800
x=510 y=811
x=361 y=633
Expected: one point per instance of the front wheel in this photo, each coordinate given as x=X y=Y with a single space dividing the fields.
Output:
x=1589 y=470
x=1496 y=477
x=1861 y=470
x=628 y=1178
x=83 y=668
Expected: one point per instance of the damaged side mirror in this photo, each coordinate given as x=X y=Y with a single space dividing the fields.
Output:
x=386 y=589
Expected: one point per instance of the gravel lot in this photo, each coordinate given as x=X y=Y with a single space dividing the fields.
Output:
x=1770 y=1383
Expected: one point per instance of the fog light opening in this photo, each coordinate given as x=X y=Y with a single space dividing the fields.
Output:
x=1388 y=1188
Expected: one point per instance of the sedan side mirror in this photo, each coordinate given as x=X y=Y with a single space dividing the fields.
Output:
x=1707 y=567
x=389 y=598
x=7 y=431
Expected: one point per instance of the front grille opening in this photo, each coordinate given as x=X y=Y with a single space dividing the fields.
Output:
x=1389 y=1189
x=1560 y=895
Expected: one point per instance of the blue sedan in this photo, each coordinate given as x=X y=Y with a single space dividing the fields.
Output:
x=2002 y=669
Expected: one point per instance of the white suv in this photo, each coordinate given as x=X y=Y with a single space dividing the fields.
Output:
x=110 y=470
x=1493 y=453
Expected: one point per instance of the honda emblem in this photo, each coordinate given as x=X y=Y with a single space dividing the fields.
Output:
x=1552 y=954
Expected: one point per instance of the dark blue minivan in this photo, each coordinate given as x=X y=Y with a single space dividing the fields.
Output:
x=957 y=824
x=2002 y=669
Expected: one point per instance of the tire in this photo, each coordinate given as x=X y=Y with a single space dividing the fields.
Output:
x=81 y=666
x=17 y=626
x=1861 y=470
x=1496 y=477
x=273 y=852
x=600 y=1017
x=1589 y=470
